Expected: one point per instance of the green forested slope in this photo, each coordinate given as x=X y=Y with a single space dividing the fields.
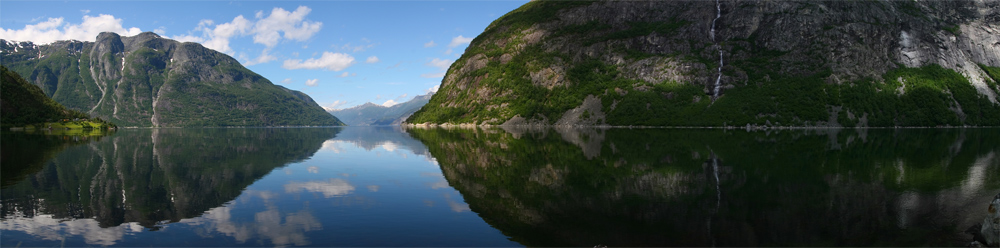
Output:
x=662 y=64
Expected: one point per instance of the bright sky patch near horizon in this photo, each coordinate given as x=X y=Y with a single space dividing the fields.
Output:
x=341 y=53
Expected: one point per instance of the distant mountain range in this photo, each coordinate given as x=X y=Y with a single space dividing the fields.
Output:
x=149 y=81
x=370 y=114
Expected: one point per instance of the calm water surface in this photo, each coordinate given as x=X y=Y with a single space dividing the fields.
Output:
x=383 y=186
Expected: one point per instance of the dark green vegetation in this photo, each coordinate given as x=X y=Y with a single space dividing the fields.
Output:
x=153 y=81
x=24 y=154
x=370 y=114
x=23 y=104
x=149 y=176
x=685 y=187
x=657 y=67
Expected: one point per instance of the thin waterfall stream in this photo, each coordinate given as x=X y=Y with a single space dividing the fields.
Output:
x=718 y=80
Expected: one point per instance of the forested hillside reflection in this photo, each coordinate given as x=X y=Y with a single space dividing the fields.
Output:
x=151 y=176
x=25 y=153
x=691 y=187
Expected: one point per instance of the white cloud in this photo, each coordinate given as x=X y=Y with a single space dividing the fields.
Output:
x=456 y=206
x=85 y=11
x=188 y=38
x=336 y=105
x=329 y=61
x=160 y=31
x=389 y=103
x=430 y=44
x=433 y=89
x=373 y=188
x=312 y=82
x=460 y=40
x=331 y=188
x=343 y=75
x=448 y=52
x=217 y=38
x=286 y=81
x=442 y=64
x=55 y=29
x=263 y=58
x=268 y=31
x=290 y=25
x=372 y=59
x=432 y=75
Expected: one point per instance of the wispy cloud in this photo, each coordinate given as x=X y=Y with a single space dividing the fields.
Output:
x=330 y=188
x=442 y=64
x=460 y=40
x=372 y=59
x=336 y=105
x=433 y=89
x=264 y=57
x=329 y=61
x=433 y=75
x=430 y=44
x=312 y=82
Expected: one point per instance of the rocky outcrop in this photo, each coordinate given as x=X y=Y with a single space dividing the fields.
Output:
x=661 y=58
x=147 y=80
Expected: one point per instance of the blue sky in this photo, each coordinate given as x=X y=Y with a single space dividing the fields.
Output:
x=342 y=53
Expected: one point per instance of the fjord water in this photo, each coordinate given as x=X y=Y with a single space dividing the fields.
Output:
x=384 y=186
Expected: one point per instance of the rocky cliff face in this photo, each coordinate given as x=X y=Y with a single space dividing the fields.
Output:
x=146 y=80
x=725 y=62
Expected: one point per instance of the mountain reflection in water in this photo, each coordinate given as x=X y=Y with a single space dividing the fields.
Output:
x=353 y=186
x=147 y=178
x=684 y=187
x=384 y=186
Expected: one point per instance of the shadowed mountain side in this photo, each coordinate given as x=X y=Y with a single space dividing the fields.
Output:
x=23 y=154
x=677 y=187
x=150 y=176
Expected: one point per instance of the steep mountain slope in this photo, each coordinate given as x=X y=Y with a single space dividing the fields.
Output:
x=22 y=103
x=725 y=62
x=146 y=80
x=370 y=114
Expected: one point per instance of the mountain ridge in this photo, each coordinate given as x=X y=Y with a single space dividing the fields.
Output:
x=149 y=81
x=729 y=63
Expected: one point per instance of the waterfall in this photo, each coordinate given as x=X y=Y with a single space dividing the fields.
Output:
x=718 y=80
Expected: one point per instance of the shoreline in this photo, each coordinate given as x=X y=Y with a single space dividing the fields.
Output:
x=748 y=127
